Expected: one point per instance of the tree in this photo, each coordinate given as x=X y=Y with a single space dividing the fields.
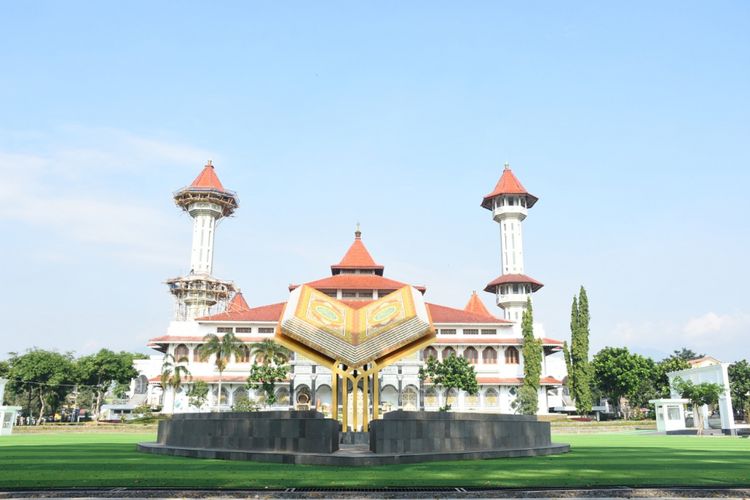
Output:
x=686 y=354
x=618 y=373
x=739 y=386
x=671 y=364
x=706 y=393
x=265 y=377
x=198 y=394
x=579 y=367
x=173 y=373
x=269 y=352
x=223 y=348
x=450 y=373
x=46 y=376
x=272 y=369
x=103 y=369
x=527 y=402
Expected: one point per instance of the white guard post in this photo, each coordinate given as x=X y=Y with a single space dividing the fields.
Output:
x=7 y=413
x=717 y=374
x=670 y=414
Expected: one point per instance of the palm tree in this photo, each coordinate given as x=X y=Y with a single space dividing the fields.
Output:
x=269 y=352
x=172 y=373
x=223 y=348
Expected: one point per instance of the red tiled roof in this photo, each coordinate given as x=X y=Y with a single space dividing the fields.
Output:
x=512 y=278
x=515 y=381
x=476 y=306
x=489 y=339
x=443 y=314
x=171 y=339
x=271 y=312
x=238 y=303
x=357 y=257
x=356 y=282
x=210 y=378
x=508 y=184
x=208 y=179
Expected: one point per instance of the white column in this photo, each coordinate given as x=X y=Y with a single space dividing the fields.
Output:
x=202 y=256
x=511 y=236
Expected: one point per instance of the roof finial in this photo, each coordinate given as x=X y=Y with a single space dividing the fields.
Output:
x=357 y=232
x=506 y=166
x=210 y=163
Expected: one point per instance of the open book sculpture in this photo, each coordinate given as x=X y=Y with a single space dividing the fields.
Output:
x=352 y=336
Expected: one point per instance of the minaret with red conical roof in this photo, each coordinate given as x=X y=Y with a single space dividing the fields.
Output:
x=206 y=201
x=509 y=203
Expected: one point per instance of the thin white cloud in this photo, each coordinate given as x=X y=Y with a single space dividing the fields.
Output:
x=43 y=188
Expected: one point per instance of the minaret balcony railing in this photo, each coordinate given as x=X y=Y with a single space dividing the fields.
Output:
x=510 y=211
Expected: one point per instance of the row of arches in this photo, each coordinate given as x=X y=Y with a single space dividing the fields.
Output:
x=182 y=351
x=488 y=356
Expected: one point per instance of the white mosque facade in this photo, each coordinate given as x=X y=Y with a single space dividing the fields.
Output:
x=493 y=345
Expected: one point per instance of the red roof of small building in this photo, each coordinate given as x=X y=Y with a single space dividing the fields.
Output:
x=476 y=306
x=357 y=282
x=357 y=257
x=510 y=279
x=208 y=179
x=443 y=314
x=508 y=184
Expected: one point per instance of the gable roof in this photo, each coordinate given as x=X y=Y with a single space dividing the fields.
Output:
x=238 y=303
x=444 y=314
x=508 y=184
x=476 y=306
x=271 y=312
x=357 y=257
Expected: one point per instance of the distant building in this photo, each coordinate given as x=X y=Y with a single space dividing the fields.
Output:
x=703 y=361
x=205 y=304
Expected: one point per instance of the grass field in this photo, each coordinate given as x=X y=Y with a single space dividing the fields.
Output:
x=623 y=459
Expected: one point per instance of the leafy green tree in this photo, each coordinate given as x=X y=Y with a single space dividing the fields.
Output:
x=619 y=373
x=450 y=373
x=198 y=394
x=527 y=402
x=104 y=369
x=686 y=354
x=671 y=364
x=579 y=366
x=739 y=386
x=173 y=375
x=223 y=348
x=46 y=376
x=269 y=352
x=706 y=393
x=265 y=377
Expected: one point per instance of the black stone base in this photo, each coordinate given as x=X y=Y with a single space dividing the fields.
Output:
x=343 y=458
x=305 y=437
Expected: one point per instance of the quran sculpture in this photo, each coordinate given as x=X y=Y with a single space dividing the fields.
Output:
x=355 y=344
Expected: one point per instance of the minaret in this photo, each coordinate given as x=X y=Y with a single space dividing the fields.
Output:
x=509 y=203
x=206 y=201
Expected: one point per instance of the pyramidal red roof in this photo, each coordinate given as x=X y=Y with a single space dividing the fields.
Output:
x=508 y=184
x=208 y=179
x=357 y=257
x=476 y=306
x=238 y=304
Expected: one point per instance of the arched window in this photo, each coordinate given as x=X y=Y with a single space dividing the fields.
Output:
x=451 y=397
x=489 y=356
x=490 y=398
x=430 y=352
x=141 y=385
x=471 y=355
x=181 y=352
x=431 y=397
x=243 y=356
x=448 y=352
x=197 y=353
x=511 y=356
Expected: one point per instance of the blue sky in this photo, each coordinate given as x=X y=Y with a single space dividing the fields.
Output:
x=630 y=122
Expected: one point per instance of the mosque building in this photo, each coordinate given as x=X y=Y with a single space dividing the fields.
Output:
x=493 y=345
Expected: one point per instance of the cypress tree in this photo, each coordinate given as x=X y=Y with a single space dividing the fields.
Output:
x=532 y=364
x=579 y=353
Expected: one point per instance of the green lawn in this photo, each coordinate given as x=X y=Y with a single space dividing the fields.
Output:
x=624 y=459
